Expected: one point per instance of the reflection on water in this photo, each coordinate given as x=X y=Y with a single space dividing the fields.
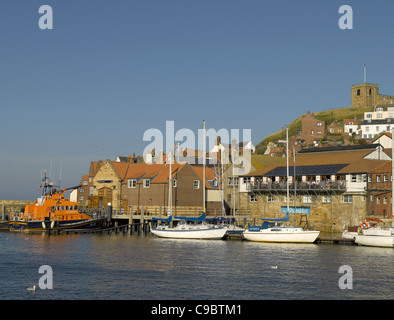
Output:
x=132 y=267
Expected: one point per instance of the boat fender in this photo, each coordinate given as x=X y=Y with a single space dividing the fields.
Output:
x=364 y=225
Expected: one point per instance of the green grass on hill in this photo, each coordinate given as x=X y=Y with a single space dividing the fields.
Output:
x=328 y=116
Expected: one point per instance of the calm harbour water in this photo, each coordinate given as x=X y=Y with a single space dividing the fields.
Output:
x=114 y=267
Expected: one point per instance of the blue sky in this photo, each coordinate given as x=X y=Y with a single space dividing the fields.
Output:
x=110 y=70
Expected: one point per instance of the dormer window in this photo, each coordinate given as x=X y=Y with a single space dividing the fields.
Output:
x=146 y=183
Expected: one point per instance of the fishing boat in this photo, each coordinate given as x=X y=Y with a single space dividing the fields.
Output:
x=52 y=211
x=188 y=228
x=274 y=229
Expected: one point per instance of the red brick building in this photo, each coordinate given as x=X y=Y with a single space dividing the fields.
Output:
x=379 y=188
x=312 y=129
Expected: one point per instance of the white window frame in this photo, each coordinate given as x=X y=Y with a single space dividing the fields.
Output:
x=131 y=183
x=146 y=183
x=196 y=184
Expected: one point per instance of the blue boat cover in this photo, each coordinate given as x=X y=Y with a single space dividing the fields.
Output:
x=254 y=228
x=161 y=219
x=200 y=218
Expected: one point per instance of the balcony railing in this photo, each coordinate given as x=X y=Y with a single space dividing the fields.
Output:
x=300 y=186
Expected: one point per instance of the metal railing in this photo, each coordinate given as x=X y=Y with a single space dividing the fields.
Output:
x=307 y=185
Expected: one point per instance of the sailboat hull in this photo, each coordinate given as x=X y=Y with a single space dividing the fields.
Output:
x=278 y=235
x=204 y=233
x=375 y=241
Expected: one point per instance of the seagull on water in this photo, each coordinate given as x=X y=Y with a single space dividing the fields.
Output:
x=274 y=267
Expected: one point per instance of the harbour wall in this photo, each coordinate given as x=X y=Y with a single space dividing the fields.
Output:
x=12 y=206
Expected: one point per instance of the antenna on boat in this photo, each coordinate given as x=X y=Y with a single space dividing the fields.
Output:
x=60 y=174
x=50 y=170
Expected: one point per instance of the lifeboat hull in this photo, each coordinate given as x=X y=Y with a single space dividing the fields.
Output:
x=40 y=226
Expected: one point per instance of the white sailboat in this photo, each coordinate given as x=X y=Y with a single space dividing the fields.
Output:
x=380 y=236
x=188 y=227
x=273 y=230
x=376 y=237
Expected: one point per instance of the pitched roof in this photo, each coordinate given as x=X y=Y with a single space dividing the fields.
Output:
x=348 y=121
x=158 y=173
x=385 y=167
x=325 y=162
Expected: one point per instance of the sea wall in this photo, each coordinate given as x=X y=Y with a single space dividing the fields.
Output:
x=11 y=206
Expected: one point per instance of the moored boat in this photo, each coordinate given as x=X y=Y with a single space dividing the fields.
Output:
x=271 y=232
x=185 y=229
x=52 y=211
x=375 y=235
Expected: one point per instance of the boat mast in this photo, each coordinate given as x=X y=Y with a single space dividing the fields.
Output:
x=170 y=186
x=203 y=170
x=295 y=189
x=392 y=171
x=287 y=169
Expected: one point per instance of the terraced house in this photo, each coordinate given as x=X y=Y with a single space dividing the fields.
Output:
x=328 y=185
x=137 y=186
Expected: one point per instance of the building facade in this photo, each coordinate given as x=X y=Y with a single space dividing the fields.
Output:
x=313 y=130
x=327 y=184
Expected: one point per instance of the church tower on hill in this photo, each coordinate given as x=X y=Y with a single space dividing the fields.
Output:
x=367 y=95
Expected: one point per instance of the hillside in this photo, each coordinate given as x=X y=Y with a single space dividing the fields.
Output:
x=328 y=116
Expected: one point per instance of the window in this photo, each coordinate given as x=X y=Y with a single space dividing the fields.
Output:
x=174 y=183
x=385 y=200
x=378 y=178
x=358 y=92
x=91 y=191
x=347 y=198
x=380 y=116
x=377 y=200
x=353 y=177
x=215 y=182
x=196 y=184
x=366 y=129
x=81 y=198
x=131 y=183
x=146 y=183
x=307 y=199
x=326 y=199
x=369 y=115
x=319 y=124
x=247 y=180
x=385 y=178
x=377 y=128
x=253 y=198
x=312 y=133
x=81 y=190
x=270 y=198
